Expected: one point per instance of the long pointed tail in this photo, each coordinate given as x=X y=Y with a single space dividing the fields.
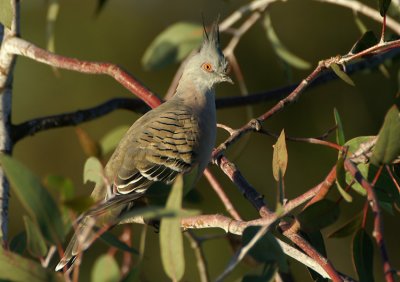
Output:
x=93 y=223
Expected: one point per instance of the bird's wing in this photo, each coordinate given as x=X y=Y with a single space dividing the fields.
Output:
x=164 y=146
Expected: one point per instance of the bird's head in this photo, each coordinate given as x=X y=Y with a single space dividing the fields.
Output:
x=209 y=65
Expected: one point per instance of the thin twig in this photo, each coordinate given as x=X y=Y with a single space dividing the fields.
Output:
x=200 y=257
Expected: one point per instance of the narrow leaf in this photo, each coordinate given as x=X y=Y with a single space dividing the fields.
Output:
x=106 y=269
x=51 y=18
x=319 y=215
x=368 y=39
x=280 y=49
x=14 y=267
x=110 y=141
x=35 y=199
x=79 y=204
x=340 y=139
x=93 y=171
x=341 y=74
x=363 y=256
x=6 y=13
x=171 y=241
x=90 y=147
x=267 y=248
x=280 y=157
x=387 y=147
x=383 y=6
x=35 y=241
x=341 y=179
x=113 y=241
x=172 y=45
x=348 y=228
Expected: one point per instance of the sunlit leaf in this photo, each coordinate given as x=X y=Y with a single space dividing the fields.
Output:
x=348 y=228
x=341 y=74
x=368 y=39
x=319 y=215
x=113 y=241
x=90 y=147
x=280 y=157
x=110 y=141
x=14 y=267
x=172 y=45
x=36 y=244
x=171 y=241
x=280 y=49
x=340 y=139
x=93 y=171
x=363 y=255
x=79 y=203
x=106 y=269
x=267 y=248
x=6 y=13
x=387 y=147
x=383 y=6
x=35 y=199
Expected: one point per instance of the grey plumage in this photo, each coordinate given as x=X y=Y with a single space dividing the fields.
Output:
x=175 y=138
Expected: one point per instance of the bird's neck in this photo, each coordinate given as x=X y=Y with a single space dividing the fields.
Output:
x=195 y=95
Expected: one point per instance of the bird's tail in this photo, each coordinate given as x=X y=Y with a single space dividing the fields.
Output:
x=94 y=222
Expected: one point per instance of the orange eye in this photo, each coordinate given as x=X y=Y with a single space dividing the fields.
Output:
x=207 y=67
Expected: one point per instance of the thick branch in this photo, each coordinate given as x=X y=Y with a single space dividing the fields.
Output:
x=18 y=46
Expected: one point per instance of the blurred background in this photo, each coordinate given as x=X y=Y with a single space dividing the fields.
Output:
x=120 y=34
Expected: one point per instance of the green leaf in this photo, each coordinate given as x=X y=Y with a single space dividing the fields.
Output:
x=385 y=189
x=340 y=139
x=17 y=268
x=93 y=171
x=172 y=45
x=353 y=145
x=280 y=49
x=319 y=215
x=90 y=147
x=363 y=256
x=387 y=147
x=35 y=199
x=368 y=39
x=60 y=184
x=35 y=241
x=341 y=179
x=79 y=204
x=51 y=18
x=171 y=241
x=6 y=13
x=113 y=241
x=267 y=248
x=316 y=240
x=341 y=74
x=153 y=212
x=347 y=228
x=18 y=243
x=280 y=157
x=383 y=6
x=110 y=141
x=106 y=269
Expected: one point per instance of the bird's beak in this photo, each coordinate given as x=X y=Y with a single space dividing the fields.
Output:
x=225 y=78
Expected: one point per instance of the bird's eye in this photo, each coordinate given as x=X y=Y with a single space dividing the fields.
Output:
x=207 y=67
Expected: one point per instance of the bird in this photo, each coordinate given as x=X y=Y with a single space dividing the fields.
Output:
x=175 y=138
